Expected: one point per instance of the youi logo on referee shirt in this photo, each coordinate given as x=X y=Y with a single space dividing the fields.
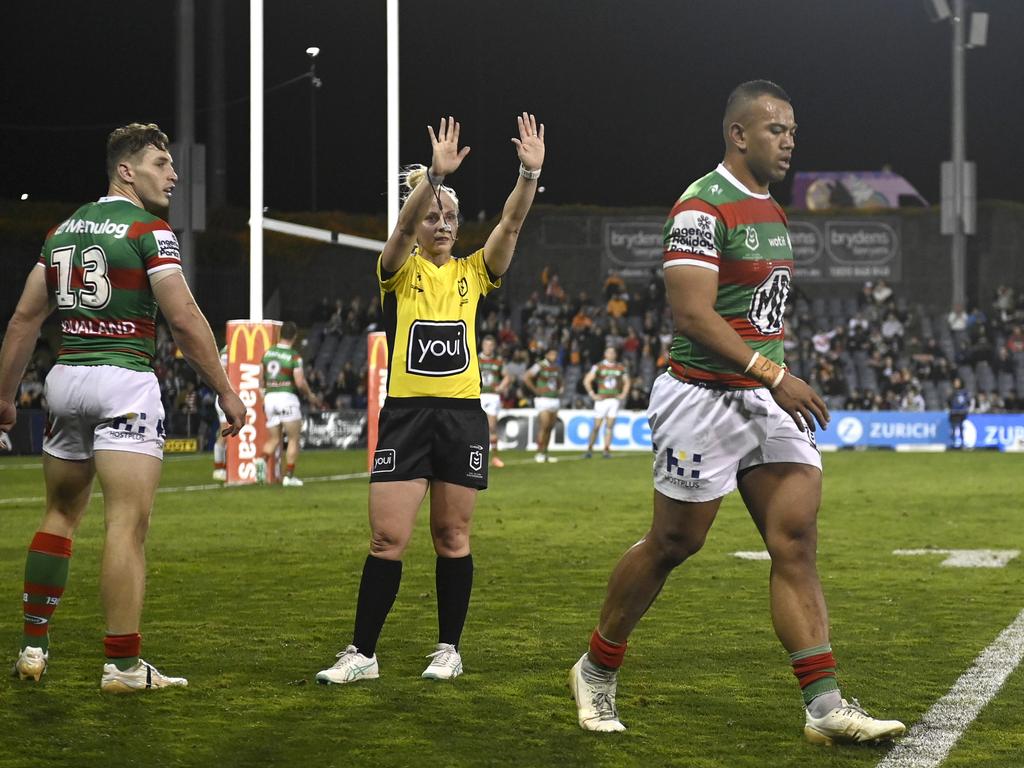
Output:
x=437 y=348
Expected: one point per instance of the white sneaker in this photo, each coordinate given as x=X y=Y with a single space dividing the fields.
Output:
x=220 y=474
x=142 y=677
x=849 y=723
x=445 y=663
x=595 y=702
x=260 y=465
x=31 y=663
x=292 y=481
x=350 y=667
x=540 y=458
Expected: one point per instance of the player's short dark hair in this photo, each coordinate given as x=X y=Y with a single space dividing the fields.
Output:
x=289 y=330
x=128 y=139
x=754 y=89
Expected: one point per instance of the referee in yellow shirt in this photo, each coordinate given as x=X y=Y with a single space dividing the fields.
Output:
x=432 y=434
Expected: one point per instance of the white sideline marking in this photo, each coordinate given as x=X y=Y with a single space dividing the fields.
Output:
x=762 y=555
x=931 y=739
x=189 y=488
x=967 y=558
x=218 y=486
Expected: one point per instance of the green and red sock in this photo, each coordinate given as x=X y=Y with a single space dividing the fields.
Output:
x=122 y=650
x=815 y=668
x=606 y=653
x=46 y=575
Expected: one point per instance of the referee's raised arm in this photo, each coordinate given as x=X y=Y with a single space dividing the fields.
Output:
x=502 y=240
x=446 y=159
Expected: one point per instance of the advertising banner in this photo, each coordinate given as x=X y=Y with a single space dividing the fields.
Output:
x=928 y=430
x=518 y=429
x=821 y=190
x=854 y=250
x=376 y=387
x=633 y=246
x=333 y=429
x=247 y=342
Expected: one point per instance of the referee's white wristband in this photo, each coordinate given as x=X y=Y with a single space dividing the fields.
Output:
x=526 y=173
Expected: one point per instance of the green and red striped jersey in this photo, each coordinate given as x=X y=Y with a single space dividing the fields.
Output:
x=609 y=379
x=279 y=364
x=721 y=225
x=491 y=369
x=98 y=264
x=547 y=378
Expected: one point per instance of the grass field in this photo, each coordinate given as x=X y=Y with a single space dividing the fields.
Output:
x=252 y=590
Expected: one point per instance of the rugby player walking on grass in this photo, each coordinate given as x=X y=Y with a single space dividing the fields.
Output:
x=727 y=413
x=432 y=434
x=105 y=269
x=283 y=379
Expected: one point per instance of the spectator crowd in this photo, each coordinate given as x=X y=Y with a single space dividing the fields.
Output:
x=871 y=350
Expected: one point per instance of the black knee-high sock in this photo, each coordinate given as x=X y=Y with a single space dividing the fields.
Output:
x=378 y=589
x=454 y=580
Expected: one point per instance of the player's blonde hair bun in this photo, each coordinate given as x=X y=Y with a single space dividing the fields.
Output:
x=411 y=176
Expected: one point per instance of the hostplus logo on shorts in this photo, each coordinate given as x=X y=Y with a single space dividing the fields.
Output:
x=132 y=426
x=384 y=460
x=679 y=469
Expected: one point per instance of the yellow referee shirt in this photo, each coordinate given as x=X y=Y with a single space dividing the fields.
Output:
x=430 y=321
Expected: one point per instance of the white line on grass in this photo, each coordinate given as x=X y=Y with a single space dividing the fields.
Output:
x=218 y=486
x=931 y=739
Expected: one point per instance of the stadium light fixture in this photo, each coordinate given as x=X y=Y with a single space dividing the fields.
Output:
x=958 y=204
x=314 y=84
x=977 y=35
x=24 y=195
x=937 y=10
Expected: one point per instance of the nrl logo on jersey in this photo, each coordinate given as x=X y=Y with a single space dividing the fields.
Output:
x=752 y=241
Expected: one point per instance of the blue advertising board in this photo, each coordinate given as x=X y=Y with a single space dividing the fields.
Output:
x=848 y=429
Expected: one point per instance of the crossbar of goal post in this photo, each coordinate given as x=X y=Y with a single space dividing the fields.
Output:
x=323 y=235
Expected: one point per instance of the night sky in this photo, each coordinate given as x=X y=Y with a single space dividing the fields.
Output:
x=631 y=92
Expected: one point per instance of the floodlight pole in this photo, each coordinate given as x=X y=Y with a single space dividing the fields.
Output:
x=392 y=108
x=256 y=160
x=314 y=84
x=959 y=252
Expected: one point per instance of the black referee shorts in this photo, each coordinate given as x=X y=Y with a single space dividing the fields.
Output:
x=443 y=439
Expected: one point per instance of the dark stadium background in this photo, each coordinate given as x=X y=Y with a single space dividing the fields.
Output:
x=631 y=92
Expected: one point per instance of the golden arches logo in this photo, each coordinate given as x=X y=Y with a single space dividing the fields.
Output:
x=378 y=350
x=250 y=333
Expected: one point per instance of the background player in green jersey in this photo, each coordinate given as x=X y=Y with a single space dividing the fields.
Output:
x=608 y=383
x=283 y=378
x=546 y=380
x=494 y=383
x=104 y=269
x=727 y=414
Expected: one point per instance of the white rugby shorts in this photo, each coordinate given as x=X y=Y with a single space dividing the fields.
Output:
x=606 y=408
x=491 y=403
x=220 y=414
x=281 y=408
x=547 y=403
x=703 y=438
x=102 y=408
